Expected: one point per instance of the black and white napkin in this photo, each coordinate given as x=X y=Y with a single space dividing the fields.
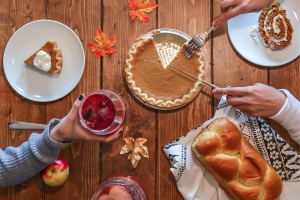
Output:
x=194 y=182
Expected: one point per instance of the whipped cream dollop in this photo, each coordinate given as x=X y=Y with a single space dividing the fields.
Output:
x=42 y=61
x=254 y=34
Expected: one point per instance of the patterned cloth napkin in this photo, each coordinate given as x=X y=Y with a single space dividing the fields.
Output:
x=194 y=182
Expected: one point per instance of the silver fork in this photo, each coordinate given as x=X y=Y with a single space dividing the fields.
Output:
x=198 y=41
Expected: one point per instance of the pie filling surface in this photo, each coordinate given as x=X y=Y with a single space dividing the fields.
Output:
x=159 y=86
x=51 y=48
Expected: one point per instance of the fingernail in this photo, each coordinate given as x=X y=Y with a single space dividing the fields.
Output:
x=80 y=97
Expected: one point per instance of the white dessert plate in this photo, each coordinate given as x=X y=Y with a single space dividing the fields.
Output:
x=239 y=29
x=33 y=83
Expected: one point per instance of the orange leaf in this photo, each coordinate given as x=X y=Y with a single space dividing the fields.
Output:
x=103 y=47
x=138 y=9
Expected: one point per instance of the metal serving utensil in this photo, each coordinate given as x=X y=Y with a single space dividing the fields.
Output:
x=26 y=126
x=212 y=85
x=198 y=41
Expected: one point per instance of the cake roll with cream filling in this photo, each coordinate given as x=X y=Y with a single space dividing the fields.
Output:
x=274 y=28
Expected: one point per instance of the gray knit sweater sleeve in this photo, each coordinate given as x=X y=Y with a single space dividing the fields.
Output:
x=18 y=164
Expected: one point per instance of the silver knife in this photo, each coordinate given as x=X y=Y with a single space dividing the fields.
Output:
x=26 y=126
x=212 y=85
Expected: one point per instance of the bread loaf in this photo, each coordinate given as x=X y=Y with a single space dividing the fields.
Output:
x=235 y=164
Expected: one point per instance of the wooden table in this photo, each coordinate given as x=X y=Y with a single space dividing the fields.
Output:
x=91 y=163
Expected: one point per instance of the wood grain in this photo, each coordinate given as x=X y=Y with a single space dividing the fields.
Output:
x=230 y=69
x=191 y=18
x=91 y=163
x=288 y=74
x=83 y=17
x=15 y=14
x=117 y=22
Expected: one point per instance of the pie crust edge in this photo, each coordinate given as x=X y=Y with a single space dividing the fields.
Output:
x=160 y=103
x=58 y=57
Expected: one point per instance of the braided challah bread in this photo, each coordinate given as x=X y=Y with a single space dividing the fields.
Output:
x=234 y=163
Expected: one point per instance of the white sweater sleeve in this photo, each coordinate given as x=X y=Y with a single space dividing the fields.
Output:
x=289 y=116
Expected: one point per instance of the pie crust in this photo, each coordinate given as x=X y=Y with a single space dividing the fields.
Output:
x=180 y=88
x=51 y=48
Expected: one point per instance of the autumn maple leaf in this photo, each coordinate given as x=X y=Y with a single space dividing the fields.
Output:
x=138 y=9
x=103 y=47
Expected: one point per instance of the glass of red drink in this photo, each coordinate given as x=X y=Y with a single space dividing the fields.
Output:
x=122 y=186
x=103 y=112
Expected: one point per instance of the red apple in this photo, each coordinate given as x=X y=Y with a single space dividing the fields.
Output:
x=56 y=173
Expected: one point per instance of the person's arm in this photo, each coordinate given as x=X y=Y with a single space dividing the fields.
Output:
x=239 y=7
x=18 y=164
x=289 y=116
x=264 y=101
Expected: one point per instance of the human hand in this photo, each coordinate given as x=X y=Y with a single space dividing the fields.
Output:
x=239 y=7
x=70 y=128
x=258 y=100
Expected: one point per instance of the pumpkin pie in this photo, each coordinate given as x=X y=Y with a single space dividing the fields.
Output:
x=159 y=86
x=274 y=28
x=48 y=58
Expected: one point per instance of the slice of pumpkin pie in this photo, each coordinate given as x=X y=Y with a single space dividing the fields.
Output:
x=48 y=58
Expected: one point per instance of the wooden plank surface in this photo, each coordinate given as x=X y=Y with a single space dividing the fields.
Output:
x=191 y=17
x=230 y=69
x=142 y=121
x=286 y=77
x=83 y=17
x=91 y=163
x=14 y=14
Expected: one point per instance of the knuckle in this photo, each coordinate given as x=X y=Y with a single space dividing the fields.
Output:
x=229 y=101
x=76 y=105
x=250 y=90
x=245 y=8
x=247 y=101
x=222 y=5
x=230 y=90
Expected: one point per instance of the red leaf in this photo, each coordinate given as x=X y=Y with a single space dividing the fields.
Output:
x=103 y=47
x=138 y=9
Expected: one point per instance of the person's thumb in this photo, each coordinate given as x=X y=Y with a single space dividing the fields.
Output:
x=75 y=109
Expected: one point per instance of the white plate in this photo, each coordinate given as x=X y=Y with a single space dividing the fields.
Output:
x=240 y=27
x=35 y=84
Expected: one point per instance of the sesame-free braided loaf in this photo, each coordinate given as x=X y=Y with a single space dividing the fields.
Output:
x=234 y=163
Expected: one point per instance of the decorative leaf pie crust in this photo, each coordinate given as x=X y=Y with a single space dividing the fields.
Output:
x=150 y=100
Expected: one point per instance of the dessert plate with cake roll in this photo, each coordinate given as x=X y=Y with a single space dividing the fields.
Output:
x=43 y=60
x=269 y=38
x=234 y=156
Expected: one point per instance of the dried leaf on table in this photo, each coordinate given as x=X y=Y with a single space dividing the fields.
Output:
x=138 y=9
x=137 y=147
x=128 y=146
x=103 y=47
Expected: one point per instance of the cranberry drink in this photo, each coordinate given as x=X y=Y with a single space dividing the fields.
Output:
x=103 y=112
x=98 y=112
